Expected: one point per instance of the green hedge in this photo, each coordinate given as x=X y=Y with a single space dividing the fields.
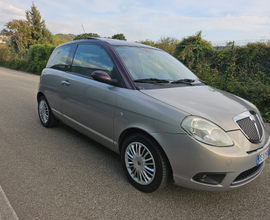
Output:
x=37 y=58
x=243 y=71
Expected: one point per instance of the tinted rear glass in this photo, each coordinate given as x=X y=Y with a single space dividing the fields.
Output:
x=58 y=59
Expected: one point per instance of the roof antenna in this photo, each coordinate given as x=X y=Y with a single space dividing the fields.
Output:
x=83 y=29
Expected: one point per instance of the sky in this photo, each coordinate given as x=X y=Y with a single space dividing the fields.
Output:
x=219 y=20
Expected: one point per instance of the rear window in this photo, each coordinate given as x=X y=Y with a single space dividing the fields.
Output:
x=58 y=59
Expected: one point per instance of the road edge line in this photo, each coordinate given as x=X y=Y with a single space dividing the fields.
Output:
x=6 y=210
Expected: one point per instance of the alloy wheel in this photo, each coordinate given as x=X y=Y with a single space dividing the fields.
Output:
x=140 y=163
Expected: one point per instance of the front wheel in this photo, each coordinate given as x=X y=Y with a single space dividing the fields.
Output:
x=46 y=117
x=144 y=163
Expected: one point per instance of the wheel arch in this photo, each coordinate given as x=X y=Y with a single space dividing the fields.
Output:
x=39 y=95
x=130 y=131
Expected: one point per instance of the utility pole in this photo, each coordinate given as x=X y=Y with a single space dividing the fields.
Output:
x=83 y=29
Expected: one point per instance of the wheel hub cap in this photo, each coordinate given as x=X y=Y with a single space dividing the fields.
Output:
x=140 y=163
x=43 y=111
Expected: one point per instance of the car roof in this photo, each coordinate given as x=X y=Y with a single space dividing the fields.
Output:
x=113 y=42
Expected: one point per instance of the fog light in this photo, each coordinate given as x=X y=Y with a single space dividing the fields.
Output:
x=209 y=178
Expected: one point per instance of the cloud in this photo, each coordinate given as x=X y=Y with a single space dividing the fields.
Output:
x=54 y=4
x=9 y=12
x=214 y=8
x=57 y=27
x=153 y=27
x=140 y=19
x=243 y=23
x=102 y=6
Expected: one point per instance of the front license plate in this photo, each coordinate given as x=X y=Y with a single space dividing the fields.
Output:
x=262 y=156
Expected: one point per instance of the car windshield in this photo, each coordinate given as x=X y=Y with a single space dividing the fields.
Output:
x=147 y=63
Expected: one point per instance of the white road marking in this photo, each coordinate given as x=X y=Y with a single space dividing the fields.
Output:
x=6 y=210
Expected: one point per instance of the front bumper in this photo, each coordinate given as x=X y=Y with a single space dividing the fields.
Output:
x=189 y=157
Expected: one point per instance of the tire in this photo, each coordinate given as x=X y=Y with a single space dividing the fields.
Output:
x=45 y=114
x=144 y=163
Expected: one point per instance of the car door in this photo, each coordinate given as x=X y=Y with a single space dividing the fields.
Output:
x=89 y=105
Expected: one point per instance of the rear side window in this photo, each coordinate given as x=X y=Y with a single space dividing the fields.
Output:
x=89 y=58
x=58 y=59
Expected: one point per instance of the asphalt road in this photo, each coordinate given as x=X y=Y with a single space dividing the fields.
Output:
x=59 y=173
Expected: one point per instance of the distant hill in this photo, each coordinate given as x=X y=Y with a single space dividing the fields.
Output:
x=68 y=37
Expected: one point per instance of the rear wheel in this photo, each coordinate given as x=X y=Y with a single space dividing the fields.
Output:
x=144 y=163
x=45 y=113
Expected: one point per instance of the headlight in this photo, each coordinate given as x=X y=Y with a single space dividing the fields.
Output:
x=206 y=131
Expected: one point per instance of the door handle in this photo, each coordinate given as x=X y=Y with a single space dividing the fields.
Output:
x=65 y=82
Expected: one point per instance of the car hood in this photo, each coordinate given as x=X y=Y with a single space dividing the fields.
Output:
x=215 y=105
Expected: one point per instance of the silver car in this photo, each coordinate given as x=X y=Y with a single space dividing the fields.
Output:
x=165 y=122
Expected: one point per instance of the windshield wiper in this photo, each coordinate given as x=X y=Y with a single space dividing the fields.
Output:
x=203 y=82
x=191 y=82
x=151 y=80
x=186 y=81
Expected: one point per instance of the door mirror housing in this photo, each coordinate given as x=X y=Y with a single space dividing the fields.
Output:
x=104 y=77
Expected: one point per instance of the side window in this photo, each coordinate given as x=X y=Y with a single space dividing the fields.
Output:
x=58 y=59
x=89 y=58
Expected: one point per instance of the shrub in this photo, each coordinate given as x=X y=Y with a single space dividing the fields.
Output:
x=35 y=62
x=38 y=56
x=167 y=44
x=243 y=71
x=192 y=50
x=3 y=54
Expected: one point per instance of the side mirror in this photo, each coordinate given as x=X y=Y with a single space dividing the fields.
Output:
x=104 y=77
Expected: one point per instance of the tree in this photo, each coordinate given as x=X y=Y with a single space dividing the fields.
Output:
x=24 y=33
x=20 y=35
x=40 y=34
x=59 y=41
x=67 y=37
x=147 y=42
x=167 y=44
x=119 y=37
x=191 y=49
x=85 y=36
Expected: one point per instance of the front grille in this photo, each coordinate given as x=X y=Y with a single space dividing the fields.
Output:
x=248 y=174
x=251 y=127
